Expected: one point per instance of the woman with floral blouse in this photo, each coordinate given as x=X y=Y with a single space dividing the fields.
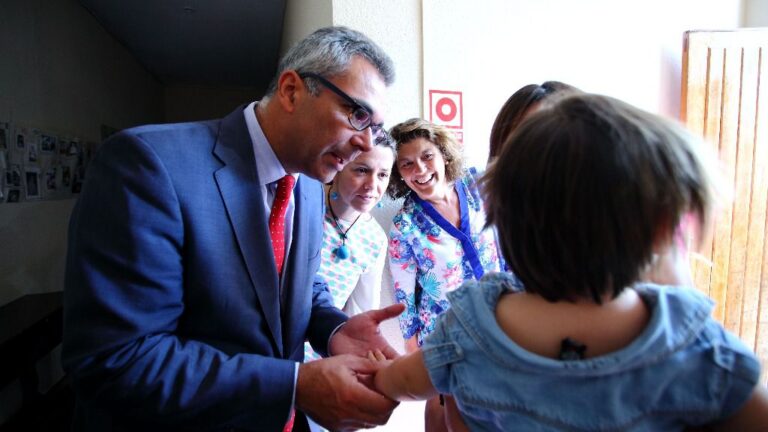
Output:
x=438 y=238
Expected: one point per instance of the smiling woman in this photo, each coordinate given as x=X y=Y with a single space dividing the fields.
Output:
x=438 y=239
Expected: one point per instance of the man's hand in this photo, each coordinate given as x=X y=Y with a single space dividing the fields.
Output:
x=361 y=333
x=329 y=391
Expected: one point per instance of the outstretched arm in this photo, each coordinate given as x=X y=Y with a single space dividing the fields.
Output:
x=330 y=391
x=405 y=379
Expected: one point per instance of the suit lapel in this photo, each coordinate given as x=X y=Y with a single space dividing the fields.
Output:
x=240 y=189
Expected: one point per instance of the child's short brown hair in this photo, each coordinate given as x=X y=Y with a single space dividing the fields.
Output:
x=583 y=190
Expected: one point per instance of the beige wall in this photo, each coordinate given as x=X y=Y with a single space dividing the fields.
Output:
x=302 y=17
x=397 y=29
x=61 y=72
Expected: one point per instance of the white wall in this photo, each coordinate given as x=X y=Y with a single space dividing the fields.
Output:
x=59 y=70
x=755 y=13
x=630 y=50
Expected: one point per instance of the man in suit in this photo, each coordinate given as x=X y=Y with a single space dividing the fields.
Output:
x=186 y=305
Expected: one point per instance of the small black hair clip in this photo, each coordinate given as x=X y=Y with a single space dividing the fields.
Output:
x=571 y=349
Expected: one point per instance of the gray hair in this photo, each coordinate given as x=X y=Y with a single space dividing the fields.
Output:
x=328 y=53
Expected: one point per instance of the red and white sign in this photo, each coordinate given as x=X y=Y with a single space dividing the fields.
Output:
x=445 y=108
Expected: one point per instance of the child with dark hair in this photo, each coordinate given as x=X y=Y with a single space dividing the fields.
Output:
x=586 y=195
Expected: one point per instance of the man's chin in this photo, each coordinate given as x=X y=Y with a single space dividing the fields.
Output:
x=324 y=174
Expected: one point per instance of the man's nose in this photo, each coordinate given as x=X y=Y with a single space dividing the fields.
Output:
x=365 y=140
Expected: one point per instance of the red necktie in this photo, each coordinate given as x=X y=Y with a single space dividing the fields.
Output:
x=277 y=219
x=289 y=426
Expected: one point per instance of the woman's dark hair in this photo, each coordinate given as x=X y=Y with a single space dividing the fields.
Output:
x=514 y=110
x=449 y=147
x=583 y=190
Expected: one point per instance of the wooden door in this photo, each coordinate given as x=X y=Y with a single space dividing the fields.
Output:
x=725 y=98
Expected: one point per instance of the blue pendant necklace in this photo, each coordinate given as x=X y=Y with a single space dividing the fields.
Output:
x=341 y=252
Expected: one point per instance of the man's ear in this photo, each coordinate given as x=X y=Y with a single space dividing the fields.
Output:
x=290 y=88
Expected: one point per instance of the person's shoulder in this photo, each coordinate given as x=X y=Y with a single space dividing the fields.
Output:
x=169 y=135
x=690 y=312
x=680 y=300
x=374 y=229
x=171 y=128
x=472 y=176
x=470 y=181
x=479 y=294
x=405 y=215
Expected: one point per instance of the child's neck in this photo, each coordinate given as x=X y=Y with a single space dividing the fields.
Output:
x=539 y=326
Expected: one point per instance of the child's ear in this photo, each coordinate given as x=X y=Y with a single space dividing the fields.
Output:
x=669 y=264
x=663 y=237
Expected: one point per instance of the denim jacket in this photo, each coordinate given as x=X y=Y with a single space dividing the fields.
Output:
x=683 y=369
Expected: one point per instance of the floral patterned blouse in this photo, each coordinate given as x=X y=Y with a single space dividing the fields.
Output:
x=430 y=257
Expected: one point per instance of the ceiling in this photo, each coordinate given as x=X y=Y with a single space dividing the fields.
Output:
x=222 y=43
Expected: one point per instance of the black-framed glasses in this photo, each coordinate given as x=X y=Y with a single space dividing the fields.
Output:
x=361 y=116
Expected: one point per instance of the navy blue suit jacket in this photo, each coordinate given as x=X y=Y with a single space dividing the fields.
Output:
x=172 y=307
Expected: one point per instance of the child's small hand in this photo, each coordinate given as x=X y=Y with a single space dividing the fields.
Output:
x=376 y=355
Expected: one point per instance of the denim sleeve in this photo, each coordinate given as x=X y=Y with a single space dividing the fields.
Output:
x=744 y=370
x=440 y=352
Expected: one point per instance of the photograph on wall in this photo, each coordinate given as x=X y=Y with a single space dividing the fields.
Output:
x=77 y=181
x=63 y=144
x=32 y=183
x=13 y=195
x=13 y=176
x=50 y=179
x=5 y=133
x=3 y=174
x=68 y=146
x=32 y=152
x=18 y=152
x=66 y=176
x=74 y=148
x=47 y=143
x=21 y=139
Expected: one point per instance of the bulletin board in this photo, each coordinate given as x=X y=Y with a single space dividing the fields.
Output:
x=36 y=164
